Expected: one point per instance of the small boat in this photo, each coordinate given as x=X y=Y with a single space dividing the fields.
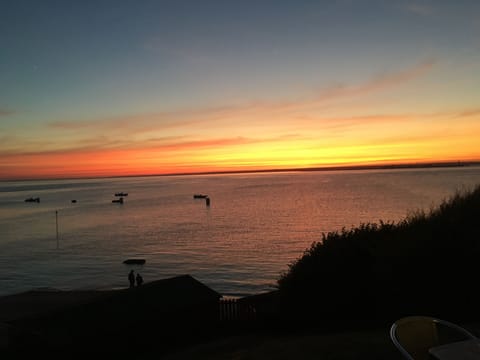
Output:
x=121 y=194
x=74 y=201
x=33 y=200
x=120 y=201
x=134 y=261
x=200 y=196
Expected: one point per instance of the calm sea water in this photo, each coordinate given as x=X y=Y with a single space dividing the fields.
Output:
x=256 y=225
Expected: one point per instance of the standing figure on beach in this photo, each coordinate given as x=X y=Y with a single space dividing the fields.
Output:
x=139 y=279
x=131 y=278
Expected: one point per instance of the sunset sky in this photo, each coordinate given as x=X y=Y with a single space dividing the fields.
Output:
x=100 y=88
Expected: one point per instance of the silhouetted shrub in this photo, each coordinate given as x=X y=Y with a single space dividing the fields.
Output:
x=427 y=263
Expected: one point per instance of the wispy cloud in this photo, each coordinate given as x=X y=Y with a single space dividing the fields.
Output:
x=306 y=127
x=13 y=144
x=240 y=114
x=137 y=123
x=5 y=112
x=146 y=122
x=95 y=144
x=209 y=143
x=420 y=9
x=341 y=91
x=377 y=83
x=469 y=113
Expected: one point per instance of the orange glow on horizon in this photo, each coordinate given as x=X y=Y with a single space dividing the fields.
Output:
x=244 y=140
x=128 y=162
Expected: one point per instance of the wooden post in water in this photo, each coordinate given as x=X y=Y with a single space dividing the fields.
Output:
x=56 y=224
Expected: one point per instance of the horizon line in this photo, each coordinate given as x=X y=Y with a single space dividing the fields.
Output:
x=419 y=165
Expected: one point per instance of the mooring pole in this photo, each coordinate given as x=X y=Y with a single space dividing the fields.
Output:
x=56 y=224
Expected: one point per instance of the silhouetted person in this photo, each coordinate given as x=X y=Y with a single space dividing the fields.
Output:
x=131 y=278
x=139 y=279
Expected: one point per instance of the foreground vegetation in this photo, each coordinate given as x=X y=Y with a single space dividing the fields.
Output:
x=429 y=263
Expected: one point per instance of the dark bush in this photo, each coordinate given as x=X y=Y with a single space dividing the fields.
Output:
x=428 y=263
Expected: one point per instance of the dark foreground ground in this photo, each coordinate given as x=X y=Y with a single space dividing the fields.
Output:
x=319 y=345
x=162 y=321
x=370 y=344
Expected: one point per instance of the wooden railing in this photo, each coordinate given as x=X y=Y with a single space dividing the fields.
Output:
x=235 y=310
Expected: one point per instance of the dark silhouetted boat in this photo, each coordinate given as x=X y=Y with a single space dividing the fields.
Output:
x=200 y=196
x=74 y=201
x=33 y=200
x=121 y=194
x=120 y=201
x=134 y=261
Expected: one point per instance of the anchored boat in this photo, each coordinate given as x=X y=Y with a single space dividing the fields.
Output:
x=134 y=261
x=200 y=196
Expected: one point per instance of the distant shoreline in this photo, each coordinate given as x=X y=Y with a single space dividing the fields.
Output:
x=422 y=165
